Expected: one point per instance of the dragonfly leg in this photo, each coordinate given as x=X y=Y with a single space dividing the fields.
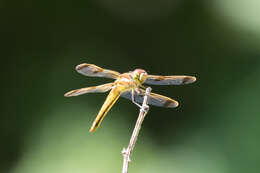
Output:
x=133 y=99
x=143 y=87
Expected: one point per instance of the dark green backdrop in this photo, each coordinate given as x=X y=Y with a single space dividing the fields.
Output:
x=215 y=128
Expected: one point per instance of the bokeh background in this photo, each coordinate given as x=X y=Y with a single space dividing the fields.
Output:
x=216 y=127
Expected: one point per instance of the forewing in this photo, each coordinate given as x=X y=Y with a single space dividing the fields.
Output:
x=94 y=89
x=169 y=80
x=95 y=71
x=154 y=99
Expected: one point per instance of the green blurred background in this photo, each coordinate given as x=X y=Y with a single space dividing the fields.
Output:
x=215 y=129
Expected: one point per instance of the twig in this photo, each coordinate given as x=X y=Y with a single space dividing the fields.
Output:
x=143 y=111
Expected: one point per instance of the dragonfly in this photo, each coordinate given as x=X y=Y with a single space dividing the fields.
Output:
x=129 y=85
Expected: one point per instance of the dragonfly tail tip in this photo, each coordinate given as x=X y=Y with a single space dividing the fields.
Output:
x=91 y=130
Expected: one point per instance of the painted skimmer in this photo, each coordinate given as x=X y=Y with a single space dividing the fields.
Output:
x=128 y=85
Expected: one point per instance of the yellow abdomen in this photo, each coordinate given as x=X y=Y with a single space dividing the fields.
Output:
x=110 y=101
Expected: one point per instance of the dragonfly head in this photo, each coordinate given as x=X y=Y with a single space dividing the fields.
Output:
x=139 y=75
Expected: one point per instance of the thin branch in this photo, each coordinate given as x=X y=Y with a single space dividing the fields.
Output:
x=126 y=152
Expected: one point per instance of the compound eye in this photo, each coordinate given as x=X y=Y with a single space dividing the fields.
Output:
x=141 y=76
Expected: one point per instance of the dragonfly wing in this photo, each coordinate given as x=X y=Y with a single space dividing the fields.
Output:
x=94 y=89
x=95 y=71
x=154 y=99
x=169 y=80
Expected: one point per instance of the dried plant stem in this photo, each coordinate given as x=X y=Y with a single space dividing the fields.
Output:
x=126 y=152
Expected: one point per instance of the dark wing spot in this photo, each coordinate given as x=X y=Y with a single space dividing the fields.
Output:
x=159 y=78
x=97 y=70
x=186 y=80
x=81 y=66
x=170 y=104
x=167 y=103
x=189 y=79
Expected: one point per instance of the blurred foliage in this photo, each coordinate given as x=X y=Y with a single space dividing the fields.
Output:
x=215 y=128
